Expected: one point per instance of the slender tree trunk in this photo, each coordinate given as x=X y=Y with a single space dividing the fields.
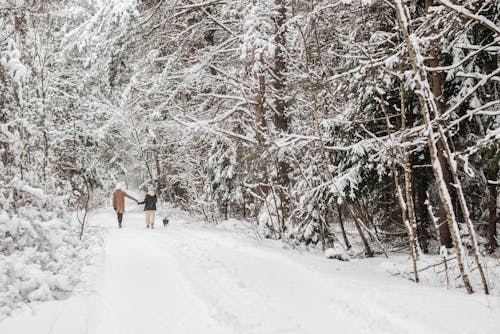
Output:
x=342 y=227
x=412 y=220
x=372 y=235
x=444 y=230
x=465 y=212
x=280 y=117
x=427 y=105
x=437 y=90
x=368 y=250
x=406 y=205
x=446 y=156
x=419 y=187
x=260 y=121
x=83 y=208
x=157 y=160
x=436 y=227
x=493 y=217
x=244 y=207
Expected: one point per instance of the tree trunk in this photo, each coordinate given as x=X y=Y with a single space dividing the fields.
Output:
x=447 y=151
x=406 y=205
x=444 y=230
x=411 y=226
x=368 y=250
x=342 y=227
x=260 y=121
x=419 y=188
x=280 y=117
x=437 y=90
x=493 y=217
x=157 y=160
x=428 y=107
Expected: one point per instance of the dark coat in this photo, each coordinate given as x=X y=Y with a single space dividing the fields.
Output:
x=149 y=202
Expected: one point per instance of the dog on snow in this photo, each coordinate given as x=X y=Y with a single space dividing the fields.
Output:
x=165 y=222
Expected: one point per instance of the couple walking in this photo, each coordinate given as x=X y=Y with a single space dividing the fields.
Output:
x=149 y=204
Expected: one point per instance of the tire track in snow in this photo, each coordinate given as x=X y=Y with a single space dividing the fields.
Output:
x=296 y=310
x=307 y=290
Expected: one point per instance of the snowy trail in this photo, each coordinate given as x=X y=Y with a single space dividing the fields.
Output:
x=142 y=288
x=195 y=279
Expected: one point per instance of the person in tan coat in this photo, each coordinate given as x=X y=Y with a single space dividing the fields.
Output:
x=119 y=202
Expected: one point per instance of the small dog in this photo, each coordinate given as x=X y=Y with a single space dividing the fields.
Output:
x=165 y=222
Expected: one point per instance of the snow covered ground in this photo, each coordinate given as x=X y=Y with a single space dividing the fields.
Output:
x=195 y=278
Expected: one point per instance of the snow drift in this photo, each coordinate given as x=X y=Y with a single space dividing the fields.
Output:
x=40 y=261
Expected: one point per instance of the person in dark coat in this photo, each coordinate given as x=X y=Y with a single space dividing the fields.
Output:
x=150 y=206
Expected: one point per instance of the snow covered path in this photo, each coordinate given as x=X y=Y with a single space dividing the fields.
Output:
x=196 y=279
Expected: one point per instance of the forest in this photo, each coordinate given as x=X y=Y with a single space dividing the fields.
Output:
x=369 y=125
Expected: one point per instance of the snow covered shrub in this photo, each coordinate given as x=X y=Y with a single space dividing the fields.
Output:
x=269 y=218
x=10 y=60
x=229 y=172
x=332 y=253
x=310 y=214
x=221 y=185
x=39 y=261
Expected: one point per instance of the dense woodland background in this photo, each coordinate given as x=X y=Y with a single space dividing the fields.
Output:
x=326 y=122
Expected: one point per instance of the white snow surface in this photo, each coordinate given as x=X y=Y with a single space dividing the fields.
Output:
x=193 y=277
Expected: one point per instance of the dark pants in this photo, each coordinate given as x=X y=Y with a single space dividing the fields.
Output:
x=120 y=218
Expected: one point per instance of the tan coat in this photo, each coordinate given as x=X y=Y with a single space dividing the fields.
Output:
x=119 y=200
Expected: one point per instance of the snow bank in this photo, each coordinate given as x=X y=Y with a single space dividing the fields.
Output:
x=434 y=271
x=40 y=261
